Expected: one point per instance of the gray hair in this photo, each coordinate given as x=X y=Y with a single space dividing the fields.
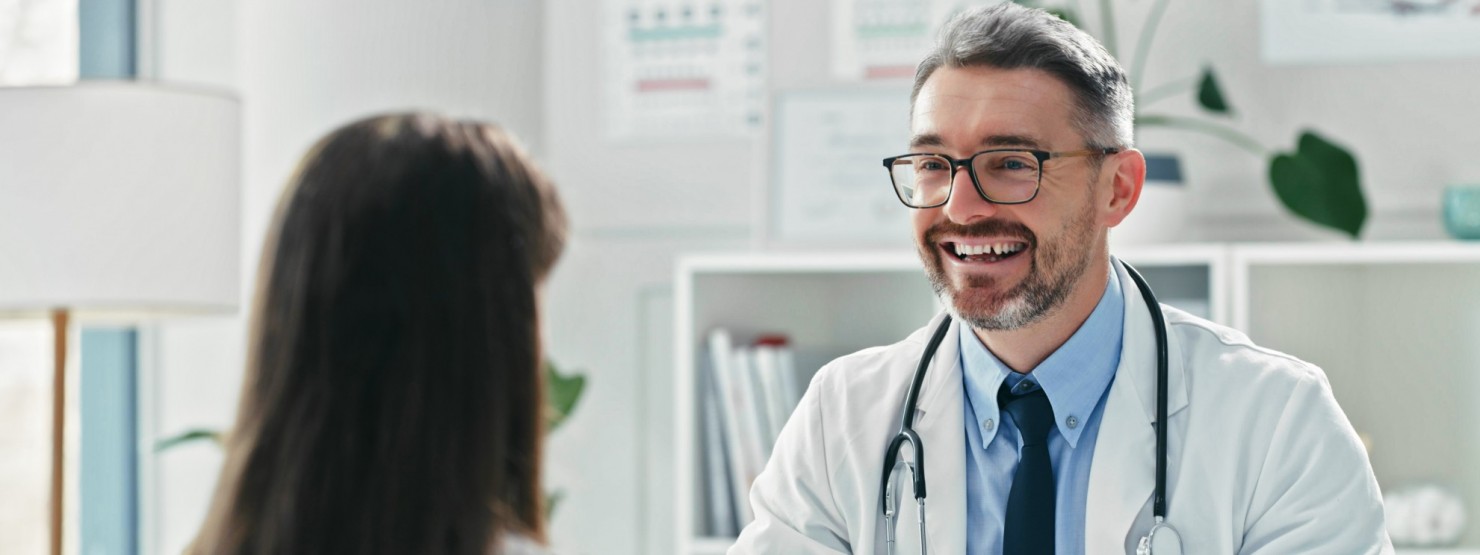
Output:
x=1009 y=36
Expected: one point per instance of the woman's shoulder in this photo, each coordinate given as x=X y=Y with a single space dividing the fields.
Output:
x=519 y=544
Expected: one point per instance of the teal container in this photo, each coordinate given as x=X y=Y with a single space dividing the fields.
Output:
x=1462 y=211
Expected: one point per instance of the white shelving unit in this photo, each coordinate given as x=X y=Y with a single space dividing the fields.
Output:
x=826 y=304
x=831 y=304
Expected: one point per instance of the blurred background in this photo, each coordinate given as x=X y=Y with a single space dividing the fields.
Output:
x=1316 y=180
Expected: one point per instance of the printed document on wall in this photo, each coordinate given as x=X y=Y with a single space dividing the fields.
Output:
x=829 y=185
x=682 y=69
x=885 y=39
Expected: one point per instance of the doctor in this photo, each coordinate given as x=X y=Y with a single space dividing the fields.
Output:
x=1037 y=413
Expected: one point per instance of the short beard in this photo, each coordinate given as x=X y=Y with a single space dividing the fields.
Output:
x=1030 y=301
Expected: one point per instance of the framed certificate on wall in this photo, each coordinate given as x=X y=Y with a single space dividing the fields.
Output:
x=827 y=184
x=1358 y=31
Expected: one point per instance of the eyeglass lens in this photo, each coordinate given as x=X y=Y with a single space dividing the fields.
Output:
x=924 y=180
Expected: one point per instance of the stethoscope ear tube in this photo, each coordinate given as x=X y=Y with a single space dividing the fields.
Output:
x=904 y=436
x=1158 y=323
x=907 y=422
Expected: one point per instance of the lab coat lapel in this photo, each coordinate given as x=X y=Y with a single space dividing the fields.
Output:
x=1123 y=474
x=940 y=422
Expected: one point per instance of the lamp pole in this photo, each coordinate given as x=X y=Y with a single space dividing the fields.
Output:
x=59 y=324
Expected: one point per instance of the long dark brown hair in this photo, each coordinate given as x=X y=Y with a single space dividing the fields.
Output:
x=392 y=401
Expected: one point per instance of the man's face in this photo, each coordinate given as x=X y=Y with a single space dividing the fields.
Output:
x=1047 y=243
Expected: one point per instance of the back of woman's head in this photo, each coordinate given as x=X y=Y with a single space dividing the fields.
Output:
x=393 y=402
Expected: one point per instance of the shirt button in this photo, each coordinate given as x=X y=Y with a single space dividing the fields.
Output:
x=989 y=424
x=1072 y=422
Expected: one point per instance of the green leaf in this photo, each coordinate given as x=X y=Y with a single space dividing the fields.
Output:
x=191 y=436
x=1209 y=95
x=1320 y=182
x=561 y=394
x=552 y=498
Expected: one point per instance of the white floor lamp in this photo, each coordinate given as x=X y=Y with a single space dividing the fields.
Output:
x=116 y=198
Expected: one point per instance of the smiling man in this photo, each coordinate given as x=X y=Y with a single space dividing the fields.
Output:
x=1038 y=392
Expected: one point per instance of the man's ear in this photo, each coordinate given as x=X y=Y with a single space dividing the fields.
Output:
x=1127 y=176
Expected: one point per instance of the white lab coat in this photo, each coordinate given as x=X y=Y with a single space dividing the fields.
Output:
x=1261 y=458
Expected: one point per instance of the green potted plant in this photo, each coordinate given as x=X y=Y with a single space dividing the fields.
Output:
x=562 y=391
x=1318 y=181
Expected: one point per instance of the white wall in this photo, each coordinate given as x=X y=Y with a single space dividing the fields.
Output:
x=304 y=67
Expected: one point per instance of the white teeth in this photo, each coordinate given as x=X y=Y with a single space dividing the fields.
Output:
x=994 y=249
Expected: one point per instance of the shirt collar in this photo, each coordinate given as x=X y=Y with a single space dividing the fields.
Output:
x=1074 y=377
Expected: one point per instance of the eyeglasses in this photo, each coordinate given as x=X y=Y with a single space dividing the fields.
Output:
x=1002 y=176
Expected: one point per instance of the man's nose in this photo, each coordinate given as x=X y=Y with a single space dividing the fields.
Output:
x=966 y=203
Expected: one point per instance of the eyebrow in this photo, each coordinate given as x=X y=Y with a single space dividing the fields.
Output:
x=934 y=140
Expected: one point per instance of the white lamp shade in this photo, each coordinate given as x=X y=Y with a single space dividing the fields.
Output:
x=119 y=197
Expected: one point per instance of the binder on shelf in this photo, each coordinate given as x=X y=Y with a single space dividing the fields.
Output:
x=742 y=443
x=775 y=380
x=791 y=384
x=754 y=407
x=721 y=507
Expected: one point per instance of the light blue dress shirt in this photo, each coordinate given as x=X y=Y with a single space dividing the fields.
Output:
x=1076 y=379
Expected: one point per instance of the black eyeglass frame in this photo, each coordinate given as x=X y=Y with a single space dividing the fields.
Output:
x=1041 y=155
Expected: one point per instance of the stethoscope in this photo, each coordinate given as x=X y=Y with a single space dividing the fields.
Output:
x=1162 y=539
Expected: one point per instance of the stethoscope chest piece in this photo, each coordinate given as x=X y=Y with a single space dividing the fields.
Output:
x=1161 y=540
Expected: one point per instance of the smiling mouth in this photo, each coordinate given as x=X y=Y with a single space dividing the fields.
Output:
x=994 y=252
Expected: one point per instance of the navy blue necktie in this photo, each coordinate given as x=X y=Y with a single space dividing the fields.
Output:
x=1029 y=527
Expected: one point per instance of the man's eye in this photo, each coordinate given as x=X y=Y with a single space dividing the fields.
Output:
x=1016 y=164
x=931 y=165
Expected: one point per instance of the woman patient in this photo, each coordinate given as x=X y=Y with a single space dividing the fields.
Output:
x=392 y=401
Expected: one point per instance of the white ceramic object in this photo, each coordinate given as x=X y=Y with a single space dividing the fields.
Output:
x=1424 y=516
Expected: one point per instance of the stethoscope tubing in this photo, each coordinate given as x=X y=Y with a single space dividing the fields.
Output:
x=1158 y=321
x=907 y=421
x=908 y=435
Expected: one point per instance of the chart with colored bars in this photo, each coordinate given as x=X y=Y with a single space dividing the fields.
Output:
x=885 y=39
x=685 y=69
